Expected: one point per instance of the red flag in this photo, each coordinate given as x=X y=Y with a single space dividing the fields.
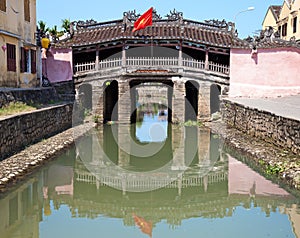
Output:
x=143 y=21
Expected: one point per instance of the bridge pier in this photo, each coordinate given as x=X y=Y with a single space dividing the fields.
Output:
x=124 y=102
x=178 y=102
x=97 y=102
x=204 y=102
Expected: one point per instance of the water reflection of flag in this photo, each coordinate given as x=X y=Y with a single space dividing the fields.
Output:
x=145 y=226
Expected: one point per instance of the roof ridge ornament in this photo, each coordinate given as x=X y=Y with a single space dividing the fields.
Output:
x=155 y=15
x=174 y=15
x=131 y=15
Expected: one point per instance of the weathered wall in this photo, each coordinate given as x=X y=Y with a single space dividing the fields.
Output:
x=59 y=92
x=16 y=31
x=28 y=96
x=280 y=131
x=269 y=73
x=24 y=129
x=58 y=65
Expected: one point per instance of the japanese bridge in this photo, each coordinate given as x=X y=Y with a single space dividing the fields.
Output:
x=189 y=59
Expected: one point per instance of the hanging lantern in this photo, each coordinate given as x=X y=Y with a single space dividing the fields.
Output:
x=45 y=43
x=4 y=47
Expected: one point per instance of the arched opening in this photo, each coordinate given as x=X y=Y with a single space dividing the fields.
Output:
x=191 y=100
x=148 y=97
x=110 y=99
x=85 y=96
x=215 y=92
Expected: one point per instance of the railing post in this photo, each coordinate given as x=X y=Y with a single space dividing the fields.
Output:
x=97 y=60
x=206 y=65
x=124 y=56
x=180 y=64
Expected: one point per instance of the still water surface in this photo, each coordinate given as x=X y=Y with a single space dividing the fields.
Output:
x=107 y=186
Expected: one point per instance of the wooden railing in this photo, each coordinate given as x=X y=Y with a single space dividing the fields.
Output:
x=192 y=63
x=110 y=63
x=83 y=67
x=215 y=67
x=163 y=62
x=151 y=61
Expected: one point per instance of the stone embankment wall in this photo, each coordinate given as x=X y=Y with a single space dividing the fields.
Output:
x=63 y=91
x=280 y=131
x=27 y=128
x=28 y=96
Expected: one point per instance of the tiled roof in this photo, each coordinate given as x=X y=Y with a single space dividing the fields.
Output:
x=276 y=11
x=191 y=31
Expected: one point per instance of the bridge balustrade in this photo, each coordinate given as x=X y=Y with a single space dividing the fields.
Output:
x=164 y=62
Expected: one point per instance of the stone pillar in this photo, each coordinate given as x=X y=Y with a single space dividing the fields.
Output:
x=204 y=102
x=124 y=102
x=97 y=60
x=97 y=101
x=178 y=102
x=206 y=60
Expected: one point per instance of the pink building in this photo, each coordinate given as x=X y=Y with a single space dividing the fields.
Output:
x=269 y=71
x=58 y=65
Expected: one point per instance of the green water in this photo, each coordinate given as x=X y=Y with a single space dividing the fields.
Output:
x=168 y=181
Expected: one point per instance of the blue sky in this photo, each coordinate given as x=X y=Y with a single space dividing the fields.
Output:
x=52 y=12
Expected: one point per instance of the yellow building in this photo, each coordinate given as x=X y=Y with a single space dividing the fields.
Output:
x=285 y=19
x=18 y=50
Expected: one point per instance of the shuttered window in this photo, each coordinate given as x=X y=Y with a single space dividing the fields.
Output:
x=25 y=60
x=27 y=10
x=3 y=5
x=284 y=29
x=11 y=57
x=294 y=24
x=33 y=61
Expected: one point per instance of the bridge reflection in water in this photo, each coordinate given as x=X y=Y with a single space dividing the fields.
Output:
x=205 y=192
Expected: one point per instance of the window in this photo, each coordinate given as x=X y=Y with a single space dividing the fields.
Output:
x=11 y=57
x=27 y=10
x=294 y=24
x=279 y=31
x=25 y=60
x=33 y=61
x=3 y=5
x=284 y=29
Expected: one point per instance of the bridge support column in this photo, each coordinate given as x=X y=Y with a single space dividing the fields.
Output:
x=204 y=102
x=97 y=102
x=124 y=102
x=178 y=102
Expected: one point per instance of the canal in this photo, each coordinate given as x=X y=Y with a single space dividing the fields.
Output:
x=149 y=179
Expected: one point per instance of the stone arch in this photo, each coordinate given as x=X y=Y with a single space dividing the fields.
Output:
x=191 y=100
x=110 y=100
x=85 y=96
x=215 y=93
